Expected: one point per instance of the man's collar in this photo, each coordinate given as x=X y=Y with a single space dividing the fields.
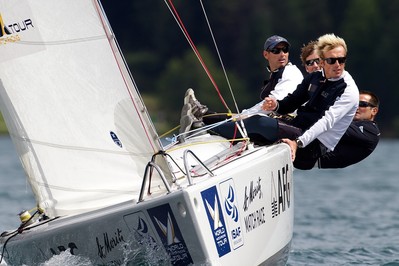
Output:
x=278 y=69
x=334 y=79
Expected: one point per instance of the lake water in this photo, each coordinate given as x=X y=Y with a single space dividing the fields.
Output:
x=342 y=217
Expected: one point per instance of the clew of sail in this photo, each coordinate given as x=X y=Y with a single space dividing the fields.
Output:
x=73 y=111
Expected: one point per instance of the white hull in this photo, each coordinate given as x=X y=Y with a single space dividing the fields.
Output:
x=243 y=215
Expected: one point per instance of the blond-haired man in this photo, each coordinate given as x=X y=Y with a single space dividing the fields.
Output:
x=326 y=102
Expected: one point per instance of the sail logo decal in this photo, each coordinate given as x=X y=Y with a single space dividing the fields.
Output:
x=115 y=139
x=3 y=29
x=166 y=226
x=168 y=231
x=228 y=193
x=280 y=192
x=216 y=220
x=19 y=26
x=9 y=33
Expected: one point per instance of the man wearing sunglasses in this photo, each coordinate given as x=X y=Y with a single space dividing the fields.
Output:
x=362 y=135
x=284 y=76
x=309 y=57
x=326 y=102
x=360 y=139
x=283 y=79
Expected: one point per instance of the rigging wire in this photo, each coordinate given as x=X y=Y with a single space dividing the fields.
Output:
x=240 y=125
x=220 y=58
x=175 y=14
x=180 y=23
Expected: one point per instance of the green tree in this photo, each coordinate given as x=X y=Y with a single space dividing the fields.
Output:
x=185 y=72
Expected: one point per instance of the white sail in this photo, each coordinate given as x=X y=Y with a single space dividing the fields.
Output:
x=81 y=130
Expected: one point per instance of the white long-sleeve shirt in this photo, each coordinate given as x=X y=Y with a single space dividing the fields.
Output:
x=332 y=125
x=290 y=79
x=288 y=82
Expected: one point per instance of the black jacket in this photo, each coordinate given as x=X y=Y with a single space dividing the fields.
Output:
x=358 y=142
x=318 y=93
x=270 y=84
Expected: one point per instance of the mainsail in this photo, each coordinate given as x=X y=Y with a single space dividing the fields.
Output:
x=80 y=127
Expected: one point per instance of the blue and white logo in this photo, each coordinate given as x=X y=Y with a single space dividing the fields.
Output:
x=228 y=193
x=115 y=139
x=216 y=220
x=230 y=207
x=165 y=223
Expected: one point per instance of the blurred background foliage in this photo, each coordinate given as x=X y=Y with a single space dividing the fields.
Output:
x=164 y=66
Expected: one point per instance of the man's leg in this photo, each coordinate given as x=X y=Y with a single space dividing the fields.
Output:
x=261 y=129
x=307 y=157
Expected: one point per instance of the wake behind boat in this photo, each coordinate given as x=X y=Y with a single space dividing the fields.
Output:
x=106 y=188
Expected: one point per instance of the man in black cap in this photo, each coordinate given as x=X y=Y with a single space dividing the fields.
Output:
x=283 y=79
x=284 y=76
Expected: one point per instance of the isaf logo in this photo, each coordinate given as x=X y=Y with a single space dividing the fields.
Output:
x=233 y=222
x=231 y=208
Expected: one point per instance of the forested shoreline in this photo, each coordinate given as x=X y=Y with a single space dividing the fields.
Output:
x=164 y=65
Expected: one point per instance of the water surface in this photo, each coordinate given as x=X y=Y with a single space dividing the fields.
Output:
x=342 y=217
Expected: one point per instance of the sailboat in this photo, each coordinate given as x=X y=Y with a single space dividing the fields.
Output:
x=106 y=188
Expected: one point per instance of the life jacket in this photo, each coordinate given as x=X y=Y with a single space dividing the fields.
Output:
x=322 y=95
x=270 y=84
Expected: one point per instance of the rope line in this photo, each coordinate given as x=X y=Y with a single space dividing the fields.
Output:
x=239 y=124
x=196 y=52
x=220 y=60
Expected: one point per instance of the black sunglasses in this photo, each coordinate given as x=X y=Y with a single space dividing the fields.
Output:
x=332 y=60
x=312 y=61
x=365 y=104
x=285 y=50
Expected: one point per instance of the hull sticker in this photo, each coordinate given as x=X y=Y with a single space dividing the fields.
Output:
x=165 y=223
x=280 y=192
x=254 y=213
x=229 y=197
x=216 y=220
x=142 y=232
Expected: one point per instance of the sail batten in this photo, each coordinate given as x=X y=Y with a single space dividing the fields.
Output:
x=73 y=111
